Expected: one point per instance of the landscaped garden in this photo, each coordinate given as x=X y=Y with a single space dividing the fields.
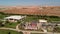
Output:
x=11 y=25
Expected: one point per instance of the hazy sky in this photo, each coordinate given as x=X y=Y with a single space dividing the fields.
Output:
x=29 y=2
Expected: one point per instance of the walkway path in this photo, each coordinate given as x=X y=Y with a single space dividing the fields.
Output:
x=17 y=27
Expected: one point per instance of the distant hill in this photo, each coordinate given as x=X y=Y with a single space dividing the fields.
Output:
x=34 y=10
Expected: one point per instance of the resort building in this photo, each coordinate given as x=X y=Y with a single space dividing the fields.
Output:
x=34 y=25
x=14 y=18
x=31 y=26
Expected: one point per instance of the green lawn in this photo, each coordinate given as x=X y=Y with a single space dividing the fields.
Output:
x=31 y=18
x=8 y=32
x=11 y=25
x=2 y=16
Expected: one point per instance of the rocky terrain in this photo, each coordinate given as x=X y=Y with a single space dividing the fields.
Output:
x=33 y=10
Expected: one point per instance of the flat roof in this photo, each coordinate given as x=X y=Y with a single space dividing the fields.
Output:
x=15 y=17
